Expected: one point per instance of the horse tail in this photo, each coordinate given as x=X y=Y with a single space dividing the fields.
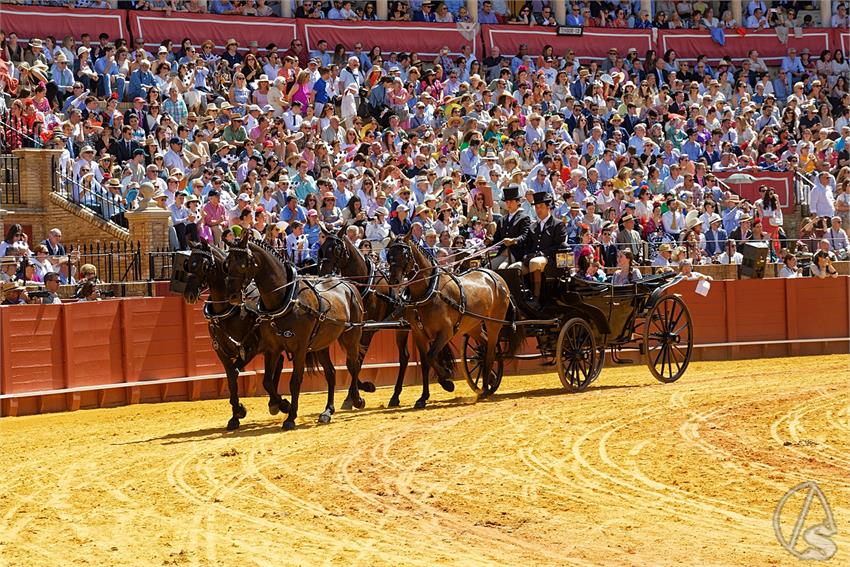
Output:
x=517 y=334
x=447 y=357
x=312 y=364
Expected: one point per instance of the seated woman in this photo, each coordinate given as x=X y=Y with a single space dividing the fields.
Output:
x=822 y=266
x=626 y=273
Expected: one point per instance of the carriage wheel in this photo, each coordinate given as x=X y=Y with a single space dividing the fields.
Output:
x=668 y=339
x=577 y=355
x=600 y=362
x=473 y=362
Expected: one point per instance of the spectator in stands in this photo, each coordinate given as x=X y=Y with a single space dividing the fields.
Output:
x=731 y=255
x=789 y=267
x=822 y=265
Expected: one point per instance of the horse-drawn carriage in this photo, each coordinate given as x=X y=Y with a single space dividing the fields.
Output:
x=302 y=315
x=579 y=320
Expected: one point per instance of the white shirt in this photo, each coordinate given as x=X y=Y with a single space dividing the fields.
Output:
x=737 y=258
x=787 y=272
x=173 y=160
x=822 y=201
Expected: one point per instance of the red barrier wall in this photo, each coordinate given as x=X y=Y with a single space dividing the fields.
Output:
x=688 y=44
x=200 y=27
x=424 y=39
x=38 y=21
x=595 y=42
x=115 y=342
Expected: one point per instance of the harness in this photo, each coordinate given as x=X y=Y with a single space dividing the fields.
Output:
x=433 y=283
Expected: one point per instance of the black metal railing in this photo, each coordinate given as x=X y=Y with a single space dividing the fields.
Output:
x=115 y=261
x=10 y=180
x=90 y=195
x=159 y=264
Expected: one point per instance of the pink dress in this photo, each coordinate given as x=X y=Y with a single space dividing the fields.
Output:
x=302 y=95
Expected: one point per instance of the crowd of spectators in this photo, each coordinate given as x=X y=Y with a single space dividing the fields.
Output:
x=280 y=141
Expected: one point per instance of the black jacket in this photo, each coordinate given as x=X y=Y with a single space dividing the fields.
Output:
x=124 y=149
x=399 y=227
x=519 y=228
x=550 y=240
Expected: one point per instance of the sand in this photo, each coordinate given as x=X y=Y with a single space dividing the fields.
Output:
x=631 y=472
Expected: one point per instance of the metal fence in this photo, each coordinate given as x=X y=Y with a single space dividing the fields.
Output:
x=90 y=195
x=10 y=180
x=115 y=261
x=159 y=264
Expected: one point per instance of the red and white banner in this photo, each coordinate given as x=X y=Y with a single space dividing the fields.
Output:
x=688 y=44
x=37 y=21
x=595 y=42
x=153 y=28
x=842 y=41
x=397 y=37
x=782 y=184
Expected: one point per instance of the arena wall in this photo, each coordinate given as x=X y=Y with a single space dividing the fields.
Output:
x=125 y=351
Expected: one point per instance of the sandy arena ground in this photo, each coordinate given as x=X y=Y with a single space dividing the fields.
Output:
x=630 y=472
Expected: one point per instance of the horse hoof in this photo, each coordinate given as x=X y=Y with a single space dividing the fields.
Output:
x=233 y=424
x=360 y=403
x=274 y=408
x=283 y=404
x=447 y=385
x=394 y=403
x=367 y=387
x=346 y=404
x=325 y=417
x=420 y=404
x=241 y=412
x=288 y=425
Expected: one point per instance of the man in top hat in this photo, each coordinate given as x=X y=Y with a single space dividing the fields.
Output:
x=546 y=237
x=513 y=230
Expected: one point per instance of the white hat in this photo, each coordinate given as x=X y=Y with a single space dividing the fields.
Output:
x=403 y=207
x=383 y=211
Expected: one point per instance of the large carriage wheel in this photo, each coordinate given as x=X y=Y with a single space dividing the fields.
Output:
x=473 y=365
x=577 y=355
x=668 y=339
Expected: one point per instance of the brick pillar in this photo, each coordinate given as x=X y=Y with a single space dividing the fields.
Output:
x=149 y=225
x=3 y=214
x=36 y=175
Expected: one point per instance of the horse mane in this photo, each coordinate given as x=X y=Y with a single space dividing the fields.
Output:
x=271 y=250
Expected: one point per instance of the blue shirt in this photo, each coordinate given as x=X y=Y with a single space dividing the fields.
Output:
x=692 y=149
x=288 y=215
x=469 y=162
x=320 y=87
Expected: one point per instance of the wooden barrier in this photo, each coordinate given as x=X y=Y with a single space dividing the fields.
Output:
x=125 y=351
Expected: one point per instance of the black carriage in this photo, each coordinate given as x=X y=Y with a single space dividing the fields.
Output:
x=579 y=320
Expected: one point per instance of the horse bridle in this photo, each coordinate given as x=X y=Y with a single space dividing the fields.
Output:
x=251 y=269
x=409 y=263
x=339 y=252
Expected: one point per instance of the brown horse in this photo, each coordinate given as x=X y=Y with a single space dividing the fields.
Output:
x=440 y=305
x=337 y=255
x=300 y=316
x=234 y=330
